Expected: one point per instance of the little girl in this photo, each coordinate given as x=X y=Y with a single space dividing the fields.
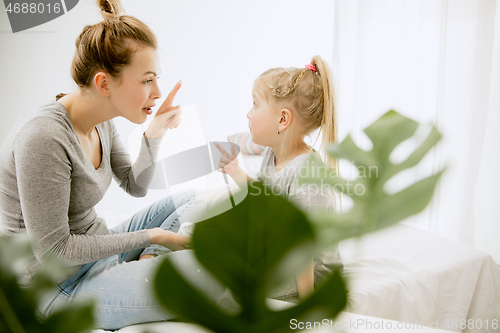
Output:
x=288 y=105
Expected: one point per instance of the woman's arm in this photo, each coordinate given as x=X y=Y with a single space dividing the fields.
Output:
x=135 y=179
x=42 y=154
x=169 y=239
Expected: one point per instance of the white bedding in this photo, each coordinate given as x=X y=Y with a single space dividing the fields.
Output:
x=406 y=274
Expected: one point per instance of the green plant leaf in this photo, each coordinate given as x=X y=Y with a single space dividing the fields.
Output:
x=246 y=249
x=387 y=132
x=18 y=305
x=181 y=298
x=327 y=302
x=73 y=318
x=373 y=208
x=252 y=245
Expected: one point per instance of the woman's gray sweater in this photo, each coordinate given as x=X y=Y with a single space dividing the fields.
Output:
x=48 y=187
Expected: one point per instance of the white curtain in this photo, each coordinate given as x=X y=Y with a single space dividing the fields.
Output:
x=433 y=61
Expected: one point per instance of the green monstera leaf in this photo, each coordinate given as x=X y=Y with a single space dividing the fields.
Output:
x=247 y=249
x=18 y=305
x=373 y=208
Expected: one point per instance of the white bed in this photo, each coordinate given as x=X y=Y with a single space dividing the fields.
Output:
x=410 y=275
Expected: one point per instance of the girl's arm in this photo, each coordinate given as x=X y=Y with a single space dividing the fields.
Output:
x=240 y=177
x=313 y=197
x=305 y=281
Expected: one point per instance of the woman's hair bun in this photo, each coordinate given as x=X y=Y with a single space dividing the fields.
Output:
x=110 y=9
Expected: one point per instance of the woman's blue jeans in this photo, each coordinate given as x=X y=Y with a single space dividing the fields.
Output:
x=121 y=286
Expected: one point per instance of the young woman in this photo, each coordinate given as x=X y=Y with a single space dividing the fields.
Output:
x=57 y=162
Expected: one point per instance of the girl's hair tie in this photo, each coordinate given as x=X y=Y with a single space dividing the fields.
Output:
x=312 y=67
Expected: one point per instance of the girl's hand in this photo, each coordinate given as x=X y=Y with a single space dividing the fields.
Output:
x=305 y=281
x=166 y=117
x=228 y=163
x=169 y=239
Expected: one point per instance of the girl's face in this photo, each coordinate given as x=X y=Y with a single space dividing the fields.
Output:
x=262 y=119
x=133 y=95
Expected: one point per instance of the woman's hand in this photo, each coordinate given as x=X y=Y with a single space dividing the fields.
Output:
x=228 y=163
x=169 y=239
x=166 y=117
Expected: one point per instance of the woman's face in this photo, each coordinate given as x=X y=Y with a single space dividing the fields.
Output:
x=262 y=119
x=134 y=93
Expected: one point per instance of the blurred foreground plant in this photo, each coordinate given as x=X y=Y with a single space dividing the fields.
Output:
x=18 y=305
x=373 y=209
x=256 y=245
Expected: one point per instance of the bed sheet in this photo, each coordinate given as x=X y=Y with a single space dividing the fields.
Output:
x=410 y=275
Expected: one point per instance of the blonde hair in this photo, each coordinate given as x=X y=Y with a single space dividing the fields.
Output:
x=110 y=44
x=310 y=96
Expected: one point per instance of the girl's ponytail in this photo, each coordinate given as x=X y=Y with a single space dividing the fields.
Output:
x=328 y=128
